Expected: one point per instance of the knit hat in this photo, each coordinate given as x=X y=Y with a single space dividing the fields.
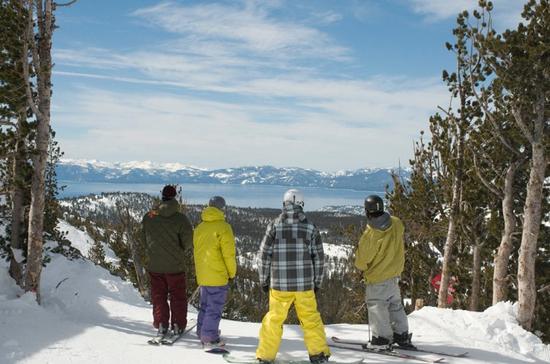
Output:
x=169 y=192
x=217 y=202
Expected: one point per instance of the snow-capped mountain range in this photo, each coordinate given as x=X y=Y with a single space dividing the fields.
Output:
x=148 y=172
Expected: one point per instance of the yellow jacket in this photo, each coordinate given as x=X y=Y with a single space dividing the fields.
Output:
x=214 y=249
x=381 y=254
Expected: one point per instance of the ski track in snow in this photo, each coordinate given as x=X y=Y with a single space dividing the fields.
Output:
x=90 y=316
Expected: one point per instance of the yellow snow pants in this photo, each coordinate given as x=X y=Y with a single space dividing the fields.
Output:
x=310 y=321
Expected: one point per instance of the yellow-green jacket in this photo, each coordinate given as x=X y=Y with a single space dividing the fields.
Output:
x=381 y=254
x=214 y=249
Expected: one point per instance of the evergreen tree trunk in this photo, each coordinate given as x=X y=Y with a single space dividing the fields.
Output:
x=18 y=193
x=527 y=292
x=452 y=232
x=18 y=217
x=42 y=62
x=500 y=275
x=476 y=278
x=17 y=212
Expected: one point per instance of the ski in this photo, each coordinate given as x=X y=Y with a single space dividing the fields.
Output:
x=418 y=350
x=171 y=339
x=252 y=360
x=358 y=342
x=391 y=353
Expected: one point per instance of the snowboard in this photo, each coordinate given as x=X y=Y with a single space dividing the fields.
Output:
x=252 y=360
x=219 y=350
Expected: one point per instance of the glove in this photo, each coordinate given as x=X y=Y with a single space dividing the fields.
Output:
x=265 y=289
x=316 y=289
x=231 y=282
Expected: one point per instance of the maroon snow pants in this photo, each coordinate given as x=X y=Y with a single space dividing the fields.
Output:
x=169 y=287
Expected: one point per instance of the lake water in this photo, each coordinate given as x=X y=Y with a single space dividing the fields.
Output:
x=236 y=195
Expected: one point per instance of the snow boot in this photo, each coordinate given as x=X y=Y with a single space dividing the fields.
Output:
x=318 y=359
x=162 y=330
x=219 y=343
x=177 y=330
x=379 y=343
x=403 y=340
x=262 y=361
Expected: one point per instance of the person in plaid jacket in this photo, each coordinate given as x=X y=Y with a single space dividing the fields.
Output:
x=291 y=266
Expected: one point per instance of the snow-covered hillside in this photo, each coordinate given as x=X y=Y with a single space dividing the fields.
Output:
x=90 y=316
x=82 y=241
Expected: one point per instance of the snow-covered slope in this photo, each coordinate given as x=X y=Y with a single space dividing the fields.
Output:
x=82 y=241
x=90 y=316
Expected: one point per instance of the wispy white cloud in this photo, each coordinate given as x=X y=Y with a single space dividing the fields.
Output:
x=507 y=13
x=248 y=27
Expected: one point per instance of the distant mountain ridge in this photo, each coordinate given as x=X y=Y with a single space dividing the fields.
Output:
x=146 y=172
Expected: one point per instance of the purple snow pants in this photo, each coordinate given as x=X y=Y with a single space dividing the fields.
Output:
x=210 y=312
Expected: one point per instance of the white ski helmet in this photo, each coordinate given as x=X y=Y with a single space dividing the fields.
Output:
x=294 y=197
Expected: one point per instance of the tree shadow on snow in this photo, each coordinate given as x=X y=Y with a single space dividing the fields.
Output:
x=77 y=297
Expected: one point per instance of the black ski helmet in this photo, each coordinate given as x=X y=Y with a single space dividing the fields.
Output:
x=217 y=202
x=374 y=205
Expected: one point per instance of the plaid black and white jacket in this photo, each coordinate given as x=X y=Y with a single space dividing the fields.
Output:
x=291 y=255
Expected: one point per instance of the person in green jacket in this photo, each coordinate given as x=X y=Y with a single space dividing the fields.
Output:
x=215 y=265
x=168 y=238
x=381 y=257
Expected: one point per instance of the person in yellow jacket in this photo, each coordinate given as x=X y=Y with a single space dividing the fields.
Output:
x=381 y=257
x=215 y=265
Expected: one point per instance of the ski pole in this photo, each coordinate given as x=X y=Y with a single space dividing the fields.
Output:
x=368 y=315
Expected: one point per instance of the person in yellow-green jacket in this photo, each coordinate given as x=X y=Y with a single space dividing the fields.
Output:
x=215 y=265
x=381 y=257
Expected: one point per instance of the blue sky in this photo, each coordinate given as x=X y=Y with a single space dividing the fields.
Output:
x=318 y=84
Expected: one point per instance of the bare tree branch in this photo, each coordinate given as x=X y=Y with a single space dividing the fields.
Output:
x=539 y=120
x=7 y=123
x=544 y=288
x=491 y=119
x=521 y=124
x=56 y=5
x=490 y=186
x=446 y=112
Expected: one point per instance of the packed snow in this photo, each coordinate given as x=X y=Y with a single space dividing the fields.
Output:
x=88 y=315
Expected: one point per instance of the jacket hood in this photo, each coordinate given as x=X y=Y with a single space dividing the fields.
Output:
x=212 y=214
x=382 y=222
x=168 y=208
x=293 y=213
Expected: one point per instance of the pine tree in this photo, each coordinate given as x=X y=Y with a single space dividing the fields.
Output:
x=16 y=138
x=515 y=67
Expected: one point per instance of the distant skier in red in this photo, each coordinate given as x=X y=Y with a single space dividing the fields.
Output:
x=436 y=283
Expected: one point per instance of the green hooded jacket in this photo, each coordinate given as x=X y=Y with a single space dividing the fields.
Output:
x=168 y=237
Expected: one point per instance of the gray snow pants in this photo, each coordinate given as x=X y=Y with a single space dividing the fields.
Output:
x=386 y=312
